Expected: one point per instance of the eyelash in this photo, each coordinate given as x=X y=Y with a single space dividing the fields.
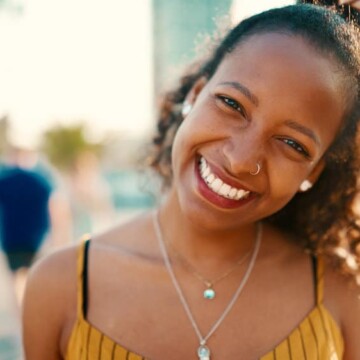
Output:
x=231 y=103
x=297 y=147
x=234 y=105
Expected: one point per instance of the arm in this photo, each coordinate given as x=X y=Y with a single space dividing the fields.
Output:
x=49 y=304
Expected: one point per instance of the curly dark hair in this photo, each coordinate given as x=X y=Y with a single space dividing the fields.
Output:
x=324 y=217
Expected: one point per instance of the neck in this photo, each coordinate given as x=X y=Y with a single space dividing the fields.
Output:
x=208 y=244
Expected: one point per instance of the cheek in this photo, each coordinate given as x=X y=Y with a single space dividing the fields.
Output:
x=194 y=131
x=180 y=146
x=285 y=180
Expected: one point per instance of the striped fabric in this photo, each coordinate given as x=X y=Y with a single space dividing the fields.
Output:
x=317 y=337
x=88 y=343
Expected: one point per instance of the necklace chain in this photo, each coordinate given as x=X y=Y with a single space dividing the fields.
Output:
x=193 y=271
x=203 y=339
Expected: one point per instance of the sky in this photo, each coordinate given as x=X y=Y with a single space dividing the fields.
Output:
x=67 y=61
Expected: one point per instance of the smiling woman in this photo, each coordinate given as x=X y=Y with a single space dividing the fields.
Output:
x=243 y=258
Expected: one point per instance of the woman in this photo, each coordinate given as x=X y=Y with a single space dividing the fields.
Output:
x=261 y=163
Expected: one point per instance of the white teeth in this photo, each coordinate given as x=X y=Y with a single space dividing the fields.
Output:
x=206 y=172
x=233 y=193
x=210 y=178
x=224 y=190
x=218 y=186
x=240 y=194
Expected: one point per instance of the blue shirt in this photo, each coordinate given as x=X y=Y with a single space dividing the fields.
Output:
x=24 y=214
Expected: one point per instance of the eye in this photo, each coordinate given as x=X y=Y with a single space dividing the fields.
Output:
x=296 y=146
x=233 y=104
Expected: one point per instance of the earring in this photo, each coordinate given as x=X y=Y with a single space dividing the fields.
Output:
x=305 y=185
x=186 y=109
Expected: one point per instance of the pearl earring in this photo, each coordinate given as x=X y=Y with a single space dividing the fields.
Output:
x=186 y=109
x=305 y=185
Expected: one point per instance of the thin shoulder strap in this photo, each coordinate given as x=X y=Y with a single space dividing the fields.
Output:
x=320 y=279
x=82 y=281
x=318 y=270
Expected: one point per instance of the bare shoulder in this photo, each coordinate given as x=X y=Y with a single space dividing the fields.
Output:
x=342 y=298
x=49 y=303
x=132 y=236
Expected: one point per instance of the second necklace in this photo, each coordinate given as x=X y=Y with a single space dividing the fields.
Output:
x=209 y=293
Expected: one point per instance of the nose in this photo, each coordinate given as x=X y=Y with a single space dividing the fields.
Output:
x=244 y=154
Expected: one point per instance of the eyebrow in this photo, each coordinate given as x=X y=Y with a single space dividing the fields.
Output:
x=304 y=130
x=243 y=89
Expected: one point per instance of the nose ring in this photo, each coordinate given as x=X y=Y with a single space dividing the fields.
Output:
x=258 y=168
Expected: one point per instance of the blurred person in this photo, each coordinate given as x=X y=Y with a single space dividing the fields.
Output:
x=24 y=218
x=10 y=334
x=59 y=218
x=253 y=252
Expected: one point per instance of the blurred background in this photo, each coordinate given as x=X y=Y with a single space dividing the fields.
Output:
x=79 y=84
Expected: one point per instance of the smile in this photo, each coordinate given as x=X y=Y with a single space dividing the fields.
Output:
x=218 y=186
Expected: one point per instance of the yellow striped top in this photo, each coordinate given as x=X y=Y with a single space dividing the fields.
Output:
x=317 y=337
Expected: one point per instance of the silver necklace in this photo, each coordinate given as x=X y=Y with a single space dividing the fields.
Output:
x=203 y=350
x=209 y=293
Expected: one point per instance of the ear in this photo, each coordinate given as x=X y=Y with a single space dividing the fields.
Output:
x=313 y=176
x=195 y=90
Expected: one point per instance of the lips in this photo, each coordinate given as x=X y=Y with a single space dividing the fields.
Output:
x=219 y=186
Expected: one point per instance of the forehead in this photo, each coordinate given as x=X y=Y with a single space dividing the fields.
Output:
x=289 y=77
x=291 y=57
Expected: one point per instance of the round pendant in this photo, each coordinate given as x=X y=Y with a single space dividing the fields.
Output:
x=209 y=294
x=203 y=352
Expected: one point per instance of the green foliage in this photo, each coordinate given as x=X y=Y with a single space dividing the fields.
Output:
x=64 y=144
